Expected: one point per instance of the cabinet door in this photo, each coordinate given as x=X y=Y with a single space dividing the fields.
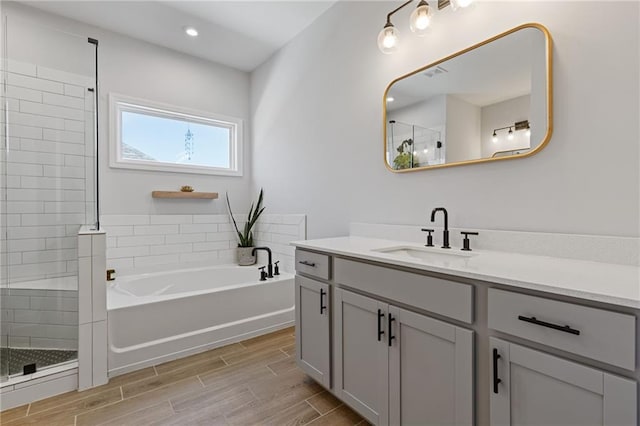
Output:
x=529 y=387
x=313 y=350
x=361 y=355
x=430 y=371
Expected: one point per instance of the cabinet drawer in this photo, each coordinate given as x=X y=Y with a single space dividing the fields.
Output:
x=443 y=297
x=598 y=334
x=313 y=264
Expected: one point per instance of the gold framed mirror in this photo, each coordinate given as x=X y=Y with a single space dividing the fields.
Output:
x=489 y=102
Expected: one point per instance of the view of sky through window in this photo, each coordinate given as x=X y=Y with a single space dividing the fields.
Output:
x=169 y=140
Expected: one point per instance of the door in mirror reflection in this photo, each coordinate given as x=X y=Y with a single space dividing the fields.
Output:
x=491 y=101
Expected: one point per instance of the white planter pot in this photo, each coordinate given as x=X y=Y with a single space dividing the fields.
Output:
x=244 y=256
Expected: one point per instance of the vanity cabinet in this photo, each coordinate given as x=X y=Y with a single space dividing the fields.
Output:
x=313 y=345
x=529 y=387
x=399 y=367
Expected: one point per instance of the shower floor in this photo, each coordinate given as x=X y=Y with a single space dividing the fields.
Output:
x=13 y=360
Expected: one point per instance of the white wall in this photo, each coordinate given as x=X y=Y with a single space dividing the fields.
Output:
x=463 y=130
x=147 y=71
x=503 y=114
x=320 y=99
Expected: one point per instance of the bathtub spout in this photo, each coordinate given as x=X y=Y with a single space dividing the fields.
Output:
x=269 y=265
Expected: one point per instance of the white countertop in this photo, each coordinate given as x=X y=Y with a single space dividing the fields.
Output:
x=596 y=281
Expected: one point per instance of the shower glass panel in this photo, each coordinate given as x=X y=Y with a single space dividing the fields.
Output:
x=410 y=146
x=48 y=191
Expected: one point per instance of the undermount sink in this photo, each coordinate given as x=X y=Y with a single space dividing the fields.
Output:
x=425 y=254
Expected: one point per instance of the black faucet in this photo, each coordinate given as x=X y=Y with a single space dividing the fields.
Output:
x=269 y=265
x=445 y=233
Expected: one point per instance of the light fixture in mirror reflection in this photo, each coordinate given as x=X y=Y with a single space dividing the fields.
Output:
x=492 y=101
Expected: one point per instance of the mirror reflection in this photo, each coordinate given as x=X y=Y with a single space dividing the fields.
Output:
x=491 y=101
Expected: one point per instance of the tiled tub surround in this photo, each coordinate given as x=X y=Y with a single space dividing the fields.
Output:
x=141 y=241
x=49 y=177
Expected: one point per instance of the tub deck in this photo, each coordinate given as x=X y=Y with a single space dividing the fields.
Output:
x=252 y=382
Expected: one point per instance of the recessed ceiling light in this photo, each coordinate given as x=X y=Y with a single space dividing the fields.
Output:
x=191 y=31
x=390 y=99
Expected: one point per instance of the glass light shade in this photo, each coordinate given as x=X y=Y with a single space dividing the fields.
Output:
x=420 y=19
x=388 y=39
x=460 y=4
x=510 y=135
x=494 y=138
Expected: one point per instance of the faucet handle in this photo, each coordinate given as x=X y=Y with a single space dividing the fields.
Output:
x=276 y=268
x=429 y=237
x=263 y=273
x=465 y=242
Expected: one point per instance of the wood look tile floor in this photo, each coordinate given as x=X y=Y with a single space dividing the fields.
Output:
x=254 y=382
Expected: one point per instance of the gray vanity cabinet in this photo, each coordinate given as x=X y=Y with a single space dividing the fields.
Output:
x=313 y=349
x=361 y=361
x=430 y=371
x=529 y=387
x=398 y=367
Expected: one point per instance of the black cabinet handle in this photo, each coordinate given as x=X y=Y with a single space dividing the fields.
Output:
x=323 y=307
x=496 y=380
x=390 y=331
x=306 y=263
x=565 y=328
x=380 y=332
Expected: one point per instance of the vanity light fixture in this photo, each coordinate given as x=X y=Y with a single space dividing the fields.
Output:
x=419 y=22
x=390 y=99
x=191 y=32
x=518 y=125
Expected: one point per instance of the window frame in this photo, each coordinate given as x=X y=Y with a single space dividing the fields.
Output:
x=121 y=103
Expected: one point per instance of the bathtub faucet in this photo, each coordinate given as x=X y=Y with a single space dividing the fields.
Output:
x=269 y=265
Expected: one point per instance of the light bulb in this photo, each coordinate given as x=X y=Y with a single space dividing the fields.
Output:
x=494 y=138
x=510 y=135
x=528 y=132
x=420 y=19
x=388 y=39
x=425 y=150
x=390 y=99
x=192 y=32
x=460 y=4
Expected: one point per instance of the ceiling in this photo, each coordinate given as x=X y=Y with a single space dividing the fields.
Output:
x=240 y=34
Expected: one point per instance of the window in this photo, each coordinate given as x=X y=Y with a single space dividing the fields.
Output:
x=150 y=136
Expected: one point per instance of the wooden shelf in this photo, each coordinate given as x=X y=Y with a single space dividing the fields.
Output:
x=180 y=194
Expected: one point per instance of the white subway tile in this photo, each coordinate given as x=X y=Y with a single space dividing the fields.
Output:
x=65 y=171
x=19 y=131
x=75 y=91
x=198 y=228
x=155 y=229
x=74 y=161
x=31 y=232
x=34 y=83
x=48 y=182
x=27 y=144
x=124 y=263
x=43 y=331
x=72 y=266
x=164 y=259
x=119 y=252
x=63 y=136
x=35 y=121
x=227 y=256
x=228 y=227
x=19 y=67
x=75 y=126
x=206 y=256
x=124 y=220
x=13 y=182
x=286 y=229
x=99 y=288
x=116 y=231
x=51 y=110
x=45 y=317
x=15 y=302
x=62 y=100
x=140 y=240
x=169 y=249
x=27 y=244
x=222 y=236
x=62 y=243
x=185 y=238
x=52 y=219
x=216 y=245
x=210 y=218
x=19 y=342
x=49 y=255
x=44 y=343
x=24 y=93
x=169 y=219
x=112 y=242
x=72 y=195
x=23 y=169
x=292 y=219
x=35 y=157
x=63 y=76
x=64 y=207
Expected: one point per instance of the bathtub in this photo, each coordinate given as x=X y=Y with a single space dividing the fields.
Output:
x=160 y=316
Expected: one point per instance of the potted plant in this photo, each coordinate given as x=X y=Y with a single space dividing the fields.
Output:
x=245 y=238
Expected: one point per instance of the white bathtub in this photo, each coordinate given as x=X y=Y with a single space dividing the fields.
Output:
x=160 y=316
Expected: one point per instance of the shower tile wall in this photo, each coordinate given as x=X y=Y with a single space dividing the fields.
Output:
x=135 y=241
x=49 y=188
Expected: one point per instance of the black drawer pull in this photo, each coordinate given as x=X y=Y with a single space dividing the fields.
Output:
x=307 y=263
x=380 y=332
x=323 y=307
x=389 y=331
x=496 y=380
x=565 y=328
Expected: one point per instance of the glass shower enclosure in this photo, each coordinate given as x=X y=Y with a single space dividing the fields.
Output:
x=409 y=146
x=47 y=191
